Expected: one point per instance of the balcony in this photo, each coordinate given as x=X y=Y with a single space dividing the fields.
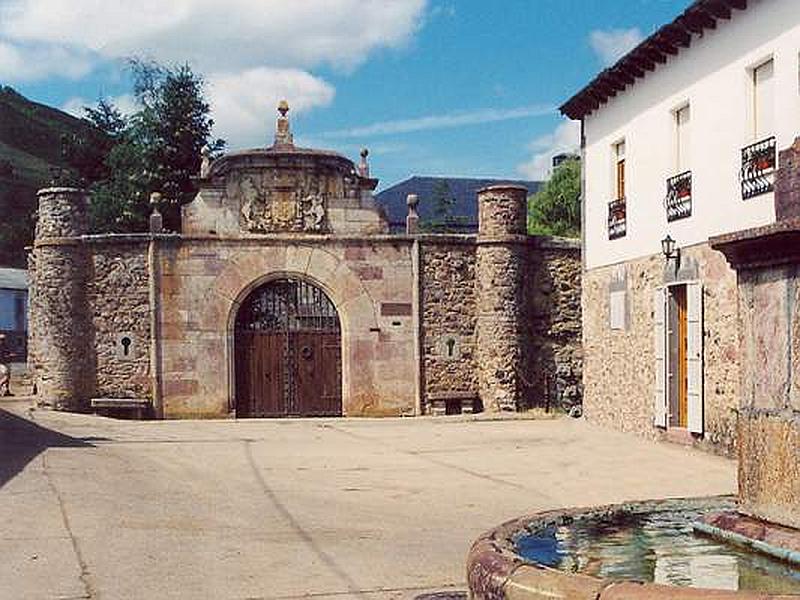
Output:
x=679 y=196
x=617 y=220
x=758 y=168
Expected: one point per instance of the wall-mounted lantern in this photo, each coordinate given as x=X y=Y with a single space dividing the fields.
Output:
x=670 y=250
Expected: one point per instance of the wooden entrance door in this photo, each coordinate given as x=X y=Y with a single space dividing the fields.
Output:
x=678 y=372
x=288 y=352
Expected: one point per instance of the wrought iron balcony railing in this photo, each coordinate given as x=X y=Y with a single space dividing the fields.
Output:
x=679 y=196
x=617 y=219
x=758 y=168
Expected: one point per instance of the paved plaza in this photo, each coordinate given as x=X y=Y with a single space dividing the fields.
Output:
x=100 y=508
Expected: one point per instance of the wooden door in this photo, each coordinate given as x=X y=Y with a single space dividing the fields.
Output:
x=288 y=352
x=261 y=374
x=317 y=373
x=681 y=370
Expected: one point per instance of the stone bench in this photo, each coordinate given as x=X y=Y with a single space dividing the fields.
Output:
x=136 y=408
x=452 y=403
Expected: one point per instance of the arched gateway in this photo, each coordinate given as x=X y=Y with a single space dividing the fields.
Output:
x=288 y=352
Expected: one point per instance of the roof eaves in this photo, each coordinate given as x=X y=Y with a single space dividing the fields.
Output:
x=655 y=50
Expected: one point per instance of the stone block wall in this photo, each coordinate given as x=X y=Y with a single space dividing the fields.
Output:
x=91 y=293
x=61 y=336
x=448 y=311
x=369 y=281
x=552 y=325
x=550 y=317
x=118 y=294
x=767 y=261
x=769 y=470
x=619 y=365
x=769 y=298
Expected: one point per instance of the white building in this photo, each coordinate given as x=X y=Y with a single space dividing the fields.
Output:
x=680 y=140
x=13 y=314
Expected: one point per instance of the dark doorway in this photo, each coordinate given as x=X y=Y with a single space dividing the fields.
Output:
x=288 y=352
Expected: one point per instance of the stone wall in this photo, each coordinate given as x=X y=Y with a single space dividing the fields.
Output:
x=61 y=336
x=91 y=316
x=118 y=294
x=619 y=365
x=767 y=260
x=448 y=312
x=369 y=281
x=550 y=320
x=769 y=298
x=769 y=470
x=552 y=325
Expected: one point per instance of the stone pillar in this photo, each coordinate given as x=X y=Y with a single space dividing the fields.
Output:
x=60 y=321
x=502 y=213
x=412 y=219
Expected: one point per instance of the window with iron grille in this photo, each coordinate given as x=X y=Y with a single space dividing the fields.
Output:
x=757 y=174
x=678 y=201
x=617 y=219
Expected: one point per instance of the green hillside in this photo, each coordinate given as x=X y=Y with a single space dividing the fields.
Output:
x=30 y=149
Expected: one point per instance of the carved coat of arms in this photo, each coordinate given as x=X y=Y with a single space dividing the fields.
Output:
x=268 y=209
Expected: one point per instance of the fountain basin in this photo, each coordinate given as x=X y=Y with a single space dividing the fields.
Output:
x=630 y=550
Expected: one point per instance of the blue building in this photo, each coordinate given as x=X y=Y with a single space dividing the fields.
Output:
x=13 y=315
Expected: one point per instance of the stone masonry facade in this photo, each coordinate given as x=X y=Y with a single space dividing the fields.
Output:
x=426 y=323
x=550 y=324
x=619 y=365
x=120 y=268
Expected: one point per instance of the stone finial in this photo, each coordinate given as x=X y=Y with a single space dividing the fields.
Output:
x=205 y=163
x=283 y=134
x=363 y=166
x=156 y=220
x=412 y=220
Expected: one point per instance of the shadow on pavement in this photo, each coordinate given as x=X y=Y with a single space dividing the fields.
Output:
x=22 y=440
x=449 y=595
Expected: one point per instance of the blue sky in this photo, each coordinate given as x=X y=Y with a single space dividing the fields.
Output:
x=437 y=87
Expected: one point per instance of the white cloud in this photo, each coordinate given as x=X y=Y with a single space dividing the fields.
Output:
x=125 y=103
x=454 y=119
x=611 y=45
x=243 y=102
x=253 y=52
x=219 y=36
x=27 y=62
x=565 y=138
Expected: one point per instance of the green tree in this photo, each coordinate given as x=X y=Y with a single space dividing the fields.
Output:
x=156 y=149
x=443 y=204
x=556 y=208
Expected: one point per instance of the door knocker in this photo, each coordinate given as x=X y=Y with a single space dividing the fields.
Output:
x=306 y=352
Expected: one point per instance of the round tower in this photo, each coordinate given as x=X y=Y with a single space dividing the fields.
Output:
x=60 y=323
x=502 y=214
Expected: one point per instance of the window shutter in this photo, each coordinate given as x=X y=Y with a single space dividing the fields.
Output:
x=660 y=335
x=694 y=356
x=617 y=302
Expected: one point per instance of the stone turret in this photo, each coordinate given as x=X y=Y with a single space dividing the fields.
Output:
x=499 y=280
x=60 y=324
